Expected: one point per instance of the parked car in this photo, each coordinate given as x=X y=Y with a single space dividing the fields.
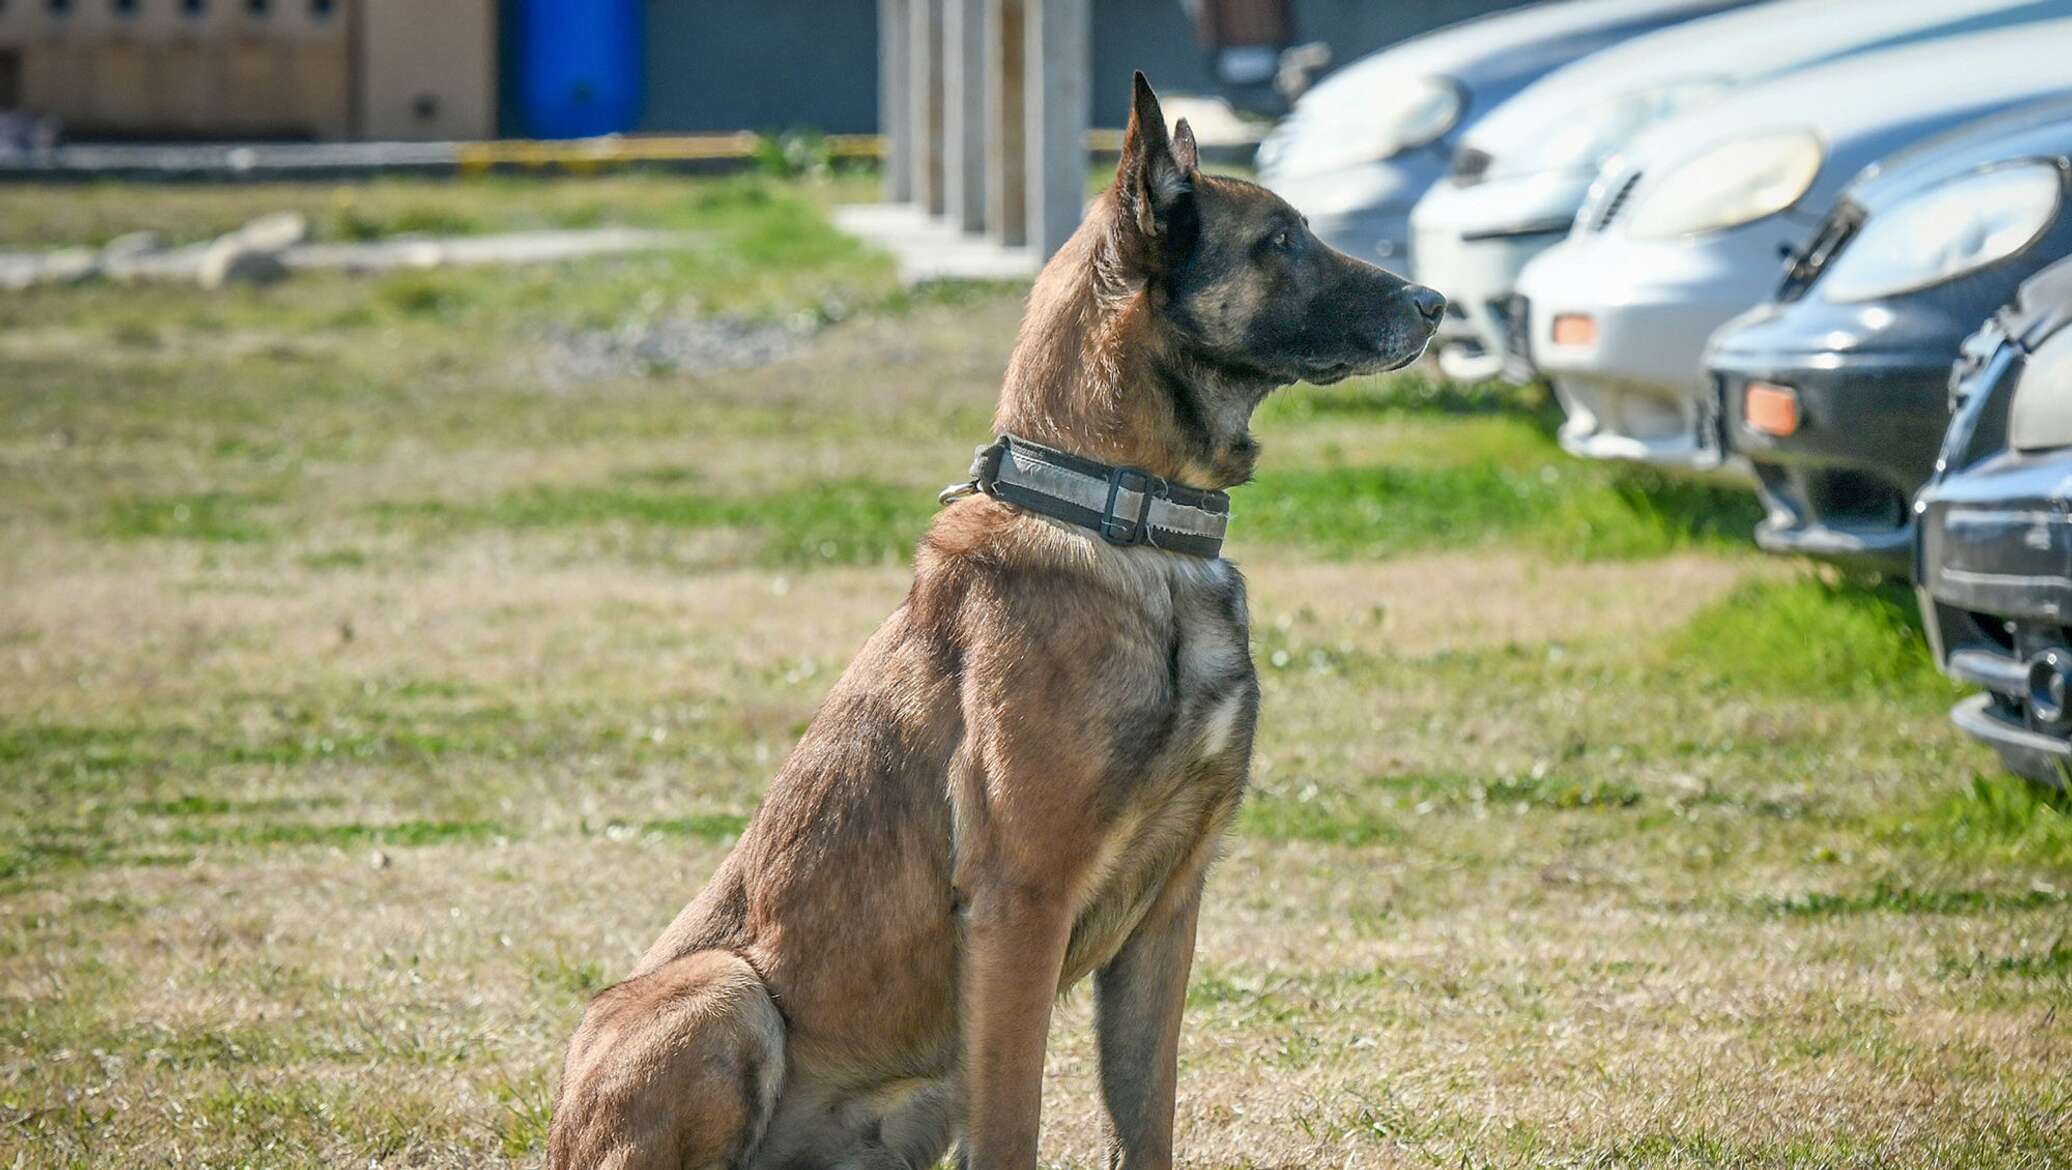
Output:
x=1994 y=557
x=1366 y=141
x=1685 y=227
x=1521 y=174
x=1837 y=392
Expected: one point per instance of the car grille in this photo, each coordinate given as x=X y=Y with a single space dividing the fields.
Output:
x=1515 y=313
x=1611 y=207
x=1804 y=267
x=1470 y=166
x=1842 y=498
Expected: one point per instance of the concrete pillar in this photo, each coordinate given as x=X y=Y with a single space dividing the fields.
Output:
x=1007 y=154
x=1060 y=60
x=895 y=117
x=964 y=113
x=925 y=63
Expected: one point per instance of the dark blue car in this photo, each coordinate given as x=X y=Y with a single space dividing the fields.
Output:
x=1836 y=393
x=1994 y=554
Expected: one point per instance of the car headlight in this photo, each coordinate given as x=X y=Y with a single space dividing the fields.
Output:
x=1583 y=140
x=1943 y=233
x=1730 y=184
x=1403 y=116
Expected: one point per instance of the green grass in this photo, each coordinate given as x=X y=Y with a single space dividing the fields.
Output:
x=376 y=209
x=1813 y=637
x=217 y=516
x=1276 y=818
x=1995 y=817
x=715 y=827
x=1561 y=508
x=1889 y=898
x=841 y=522
x=1492 y=474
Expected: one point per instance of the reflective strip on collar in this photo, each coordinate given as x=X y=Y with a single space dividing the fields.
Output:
x=1124 y=505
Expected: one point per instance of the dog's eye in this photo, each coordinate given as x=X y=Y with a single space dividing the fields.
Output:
x=1281 y=240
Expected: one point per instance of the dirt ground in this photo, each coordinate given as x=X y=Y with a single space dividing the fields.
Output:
x=372 y=692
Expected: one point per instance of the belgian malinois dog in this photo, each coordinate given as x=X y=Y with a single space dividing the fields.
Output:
x=1022 y=779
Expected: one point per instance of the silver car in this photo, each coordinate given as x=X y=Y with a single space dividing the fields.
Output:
x=1691 y=223
x=1521 y=174
x=1365 y=142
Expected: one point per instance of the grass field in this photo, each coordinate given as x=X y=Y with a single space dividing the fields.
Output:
x=383 y=662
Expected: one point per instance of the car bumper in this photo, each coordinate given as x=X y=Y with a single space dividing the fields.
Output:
x=1636 y=389
x=1995 y=566
x=1472 y=243
x=2046 y=759
x=1871 y=381
x=1840 y=486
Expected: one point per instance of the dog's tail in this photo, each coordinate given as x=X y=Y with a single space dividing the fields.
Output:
x=676 y=1069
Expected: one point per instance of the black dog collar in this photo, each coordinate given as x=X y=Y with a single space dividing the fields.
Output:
x=1124 y=504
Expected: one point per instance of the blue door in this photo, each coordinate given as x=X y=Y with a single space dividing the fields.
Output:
x=579 y=66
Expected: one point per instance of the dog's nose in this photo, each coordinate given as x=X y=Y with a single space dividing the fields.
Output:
x=1430 y=304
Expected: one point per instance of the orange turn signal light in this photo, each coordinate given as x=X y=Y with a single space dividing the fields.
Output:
x=1770 y=408
x=1575 y=329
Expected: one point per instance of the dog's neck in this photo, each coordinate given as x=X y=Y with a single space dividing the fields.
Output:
x=1096 y=372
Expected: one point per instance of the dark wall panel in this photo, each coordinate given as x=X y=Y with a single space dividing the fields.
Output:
x=774 y=64
x=762 y=65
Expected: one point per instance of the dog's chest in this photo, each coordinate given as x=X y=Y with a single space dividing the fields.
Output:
x=1180 y=756
x=1211 y=668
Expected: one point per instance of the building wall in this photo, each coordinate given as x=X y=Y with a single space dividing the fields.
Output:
x=762 y=65
x=322 y=69
x=215 y=68
x=428 y=70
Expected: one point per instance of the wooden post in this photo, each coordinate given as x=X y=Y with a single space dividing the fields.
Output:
x=925 y=100
x=1007 y=154
x=1059 y=54
x=964 y=113
x=895 y=115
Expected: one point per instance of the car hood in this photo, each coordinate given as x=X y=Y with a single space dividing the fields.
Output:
x=1503 y=40
x=1865 y=107
x=1734 y=49
x=1505 y=45
x=2039 y=131
x=2027 y=296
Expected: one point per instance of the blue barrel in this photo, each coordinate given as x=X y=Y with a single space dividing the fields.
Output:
x=580 y=65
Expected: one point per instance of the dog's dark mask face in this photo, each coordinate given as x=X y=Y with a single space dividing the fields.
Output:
x=1239 y=276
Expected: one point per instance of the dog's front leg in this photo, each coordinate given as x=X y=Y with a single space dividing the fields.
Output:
x=1139 y=997
x=1014 y=949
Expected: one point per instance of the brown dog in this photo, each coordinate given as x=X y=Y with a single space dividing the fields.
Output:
x=1022 y=779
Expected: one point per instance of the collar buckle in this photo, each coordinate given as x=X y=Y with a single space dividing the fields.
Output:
x=1118 y=530
x=985 y=471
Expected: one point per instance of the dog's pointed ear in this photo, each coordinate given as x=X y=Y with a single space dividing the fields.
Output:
x=1184 y=151
x=1156 y=174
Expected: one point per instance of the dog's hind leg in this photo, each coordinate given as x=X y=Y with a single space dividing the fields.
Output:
x=676 y=1069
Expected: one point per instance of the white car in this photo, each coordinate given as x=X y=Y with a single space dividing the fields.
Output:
x=1692 y=223
x=1364 y=143
x=1521 y=174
